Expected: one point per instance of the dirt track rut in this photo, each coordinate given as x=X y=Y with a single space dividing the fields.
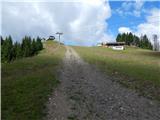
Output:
x=85 y=93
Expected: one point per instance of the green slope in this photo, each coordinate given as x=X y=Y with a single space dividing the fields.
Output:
x=135 y=68
x=27 y=83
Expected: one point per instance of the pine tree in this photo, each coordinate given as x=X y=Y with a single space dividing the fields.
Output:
x=39 y=44
x=7 y=50
x=26 y=46
x=123 y=38
x=34 y=48
x=118 y=39
x=136 y=40
x=130 y=39
x=2 y=40
x=145 y=43
x=18 y=50
x=142 y=42
x=13 y=52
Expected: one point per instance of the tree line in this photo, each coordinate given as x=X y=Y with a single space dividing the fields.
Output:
x=14 y=50
x=130 y=39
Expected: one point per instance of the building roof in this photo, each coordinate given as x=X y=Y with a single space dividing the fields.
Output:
x=115 y=43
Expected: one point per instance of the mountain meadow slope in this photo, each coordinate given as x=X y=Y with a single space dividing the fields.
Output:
x=27 y=83
x=135 y=68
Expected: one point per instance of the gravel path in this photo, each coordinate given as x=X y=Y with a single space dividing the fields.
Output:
x=85 y=93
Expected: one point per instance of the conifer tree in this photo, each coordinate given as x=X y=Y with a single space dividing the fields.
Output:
x=2 y=40
x=26 y=46
x=34 y=48
x=39 y=44
x=118 y=39
x=18 y=50
x=131 y=39
x=7 y=50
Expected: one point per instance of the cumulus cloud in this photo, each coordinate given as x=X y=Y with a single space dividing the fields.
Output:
x=131 y=8
x=82 y=22
x=150 y=27
x=152 y=24
x=138 y=6
x=124 y=30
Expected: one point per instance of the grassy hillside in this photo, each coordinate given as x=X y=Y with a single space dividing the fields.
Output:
x=26 y=83
x=135 y=68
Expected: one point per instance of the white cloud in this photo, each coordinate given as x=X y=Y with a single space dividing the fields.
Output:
x=138 y=8
x=150 y=27
x=152 y=24
x=131 y=8
x=124 y=30
x=127 y=5
x=82 y=22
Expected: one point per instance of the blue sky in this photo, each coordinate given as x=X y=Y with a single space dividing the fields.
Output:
x=117 y=20
x=83 y=22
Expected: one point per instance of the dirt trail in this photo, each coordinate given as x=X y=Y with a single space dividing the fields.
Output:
x=85 y=93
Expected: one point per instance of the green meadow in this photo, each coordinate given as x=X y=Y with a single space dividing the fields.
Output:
x=135 y=68
x=27 y=83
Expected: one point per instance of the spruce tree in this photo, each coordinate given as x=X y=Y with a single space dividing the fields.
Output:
x=130 y=38
x=145 y=43
x=7 y=50
x=118 y=39
x=26 y=46
x=39 y=44
x=18 y=50
x=2 y=40
x=136 y=40
x=142 y=42
x=123 y=37
x=34 y=48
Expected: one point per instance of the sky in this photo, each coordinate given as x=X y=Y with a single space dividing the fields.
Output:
x=83 y=22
